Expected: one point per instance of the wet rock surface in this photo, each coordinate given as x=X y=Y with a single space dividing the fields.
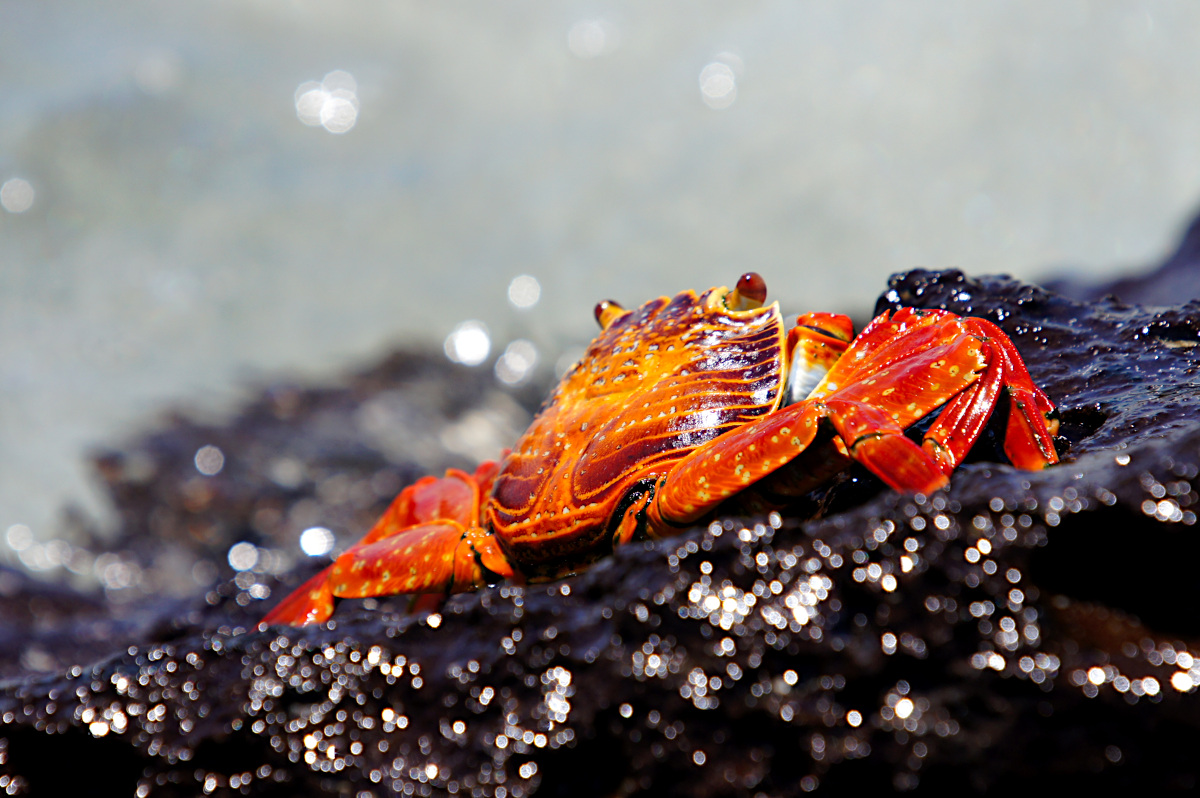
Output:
x=1015 y=628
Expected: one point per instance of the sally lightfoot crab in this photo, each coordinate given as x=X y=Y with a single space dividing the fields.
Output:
x=678 y=407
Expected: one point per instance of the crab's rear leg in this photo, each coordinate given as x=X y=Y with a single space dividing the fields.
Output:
x=431 y=501
x=443 y=557
x=436 y=558
x=312 y=602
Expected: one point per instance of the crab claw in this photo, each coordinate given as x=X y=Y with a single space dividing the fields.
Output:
x=814 y=345
x=830 y=325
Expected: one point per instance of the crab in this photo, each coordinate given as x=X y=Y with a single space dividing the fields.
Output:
x=682 y=406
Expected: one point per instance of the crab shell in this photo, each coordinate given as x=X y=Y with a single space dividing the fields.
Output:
x=657 y=383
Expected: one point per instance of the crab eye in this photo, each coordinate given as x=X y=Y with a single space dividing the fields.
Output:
x=607 y=312
x=750 y=293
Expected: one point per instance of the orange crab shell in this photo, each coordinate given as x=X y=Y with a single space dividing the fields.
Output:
x=657 y=383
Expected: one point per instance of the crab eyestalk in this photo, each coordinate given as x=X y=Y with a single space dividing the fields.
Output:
x=608 y=311
x=750 y=293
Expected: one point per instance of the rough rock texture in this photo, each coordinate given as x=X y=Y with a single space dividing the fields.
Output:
x=1014 y=629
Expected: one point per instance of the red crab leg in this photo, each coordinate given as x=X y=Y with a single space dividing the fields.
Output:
x=1027 y=441
x=963 y=418
x=891 y=340
x=882 y=351
x=869 y=415
x=431 y=502
x=878 y=442
x=888 y=338
x=440 y=557
x=714 y=472
x=312 y=602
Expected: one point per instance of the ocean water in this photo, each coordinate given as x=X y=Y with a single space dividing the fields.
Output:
x=199 y=198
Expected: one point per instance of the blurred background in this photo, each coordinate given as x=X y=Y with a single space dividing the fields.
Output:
x=197 y=198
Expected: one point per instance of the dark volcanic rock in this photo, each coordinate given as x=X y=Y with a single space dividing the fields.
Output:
x=1015 y=628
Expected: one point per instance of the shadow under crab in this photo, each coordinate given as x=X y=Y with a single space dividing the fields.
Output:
x=1016 y=628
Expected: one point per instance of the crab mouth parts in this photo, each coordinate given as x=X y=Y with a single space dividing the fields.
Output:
x=802 y=380
x=490 y=577
x=632 y=509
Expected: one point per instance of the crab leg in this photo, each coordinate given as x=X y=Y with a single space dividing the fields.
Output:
x=889 y=338
x=1027 y=440
x=711 y=474
x=963 y=419
x=442 y=557
x=886 y=344
x=312 y=602
x=436 y=558
x=435 y=520
x=877 y=441
x=869 y=416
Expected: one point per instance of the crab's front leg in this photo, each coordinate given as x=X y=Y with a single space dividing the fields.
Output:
x=713 y=473
x=867 y=405
x=893 y=341
x=428 y=541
